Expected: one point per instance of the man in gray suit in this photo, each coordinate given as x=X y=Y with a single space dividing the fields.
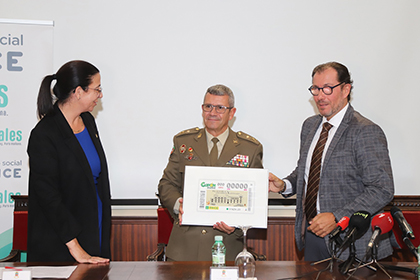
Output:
x=214 y=145
x=355 y=171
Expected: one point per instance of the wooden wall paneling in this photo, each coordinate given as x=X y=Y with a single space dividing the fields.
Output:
x=133 y=238
x=277 y=242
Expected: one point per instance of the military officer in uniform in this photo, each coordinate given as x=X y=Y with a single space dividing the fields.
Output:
x=214 y=145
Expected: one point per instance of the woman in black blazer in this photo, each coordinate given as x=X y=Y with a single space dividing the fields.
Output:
x=69 y=195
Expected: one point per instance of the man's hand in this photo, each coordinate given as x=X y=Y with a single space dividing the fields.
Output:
x=181 y=211
x=276 y=185
x=322 y=224
x=224 y=227
x=80 y=255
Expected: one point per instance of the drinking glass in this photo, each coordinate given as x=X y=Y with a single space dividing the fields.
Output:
x=245 y=260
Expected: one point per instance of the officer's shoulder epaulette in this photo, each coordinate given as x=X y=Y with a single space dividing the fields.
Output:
x=248 y=137
x=194 y=130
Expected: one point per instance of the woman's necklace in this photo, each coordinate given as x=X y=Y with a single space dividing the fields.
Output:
x=81 y=129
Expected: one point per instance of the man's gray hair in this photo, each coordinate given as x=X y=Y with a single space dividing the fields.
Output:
x=222 y=90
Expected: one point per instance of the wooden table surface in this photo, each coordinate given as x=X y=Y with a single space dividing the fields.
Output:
x=200 y=270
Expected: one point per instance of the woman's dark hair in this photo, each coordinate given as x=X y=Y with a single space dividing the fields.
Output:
x=70 y=76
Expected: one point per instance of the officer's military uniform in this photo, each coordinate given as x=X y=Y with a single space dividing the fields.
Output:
x=193 y=243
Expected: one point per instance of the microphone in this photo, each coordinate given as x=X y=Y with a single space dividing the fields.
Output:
x=399 y=268
x=410 y=246
x=341 y=225
x=358 y=225
x=402 y=222
x=381 y=223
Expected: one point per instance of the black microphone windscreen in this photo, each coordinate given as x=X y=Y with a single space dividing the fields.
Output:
x=358 y=226
x=360 y=221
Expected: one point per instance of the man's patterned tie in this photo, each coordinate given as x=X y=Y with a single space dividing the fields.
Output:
x=314 y=174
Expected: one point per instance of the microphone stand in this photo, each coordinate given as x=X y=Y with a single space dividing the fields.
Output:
x=334 y=246
x=333 y=249
x=374 y=260
x=345 y=266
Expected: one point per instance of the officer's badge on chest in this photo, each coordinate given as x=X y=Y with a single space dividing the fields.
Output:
x=239 y=160
x=189 y=153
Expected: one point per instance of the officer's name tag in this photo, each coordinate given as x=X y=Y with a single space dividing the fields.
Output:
x=13 y=274
x=225 y=273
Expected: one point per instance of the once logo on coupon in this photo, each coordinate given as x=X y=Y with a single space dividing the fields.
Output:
x=208 y=185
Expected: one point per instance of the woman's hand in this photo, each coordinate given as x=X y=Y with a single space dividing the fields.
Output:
x=80 y=255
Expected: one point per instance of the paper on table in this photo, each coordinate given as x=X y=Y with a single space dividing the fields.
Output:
x=236 y=196
x=47 y=271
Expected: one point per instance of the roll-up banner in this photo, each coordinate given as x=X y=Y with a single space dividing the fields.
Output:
x=26 y=56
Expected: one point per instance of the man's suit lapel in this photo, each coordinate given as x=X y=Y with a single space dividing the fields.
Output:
x=338 y=134
x=306 y=145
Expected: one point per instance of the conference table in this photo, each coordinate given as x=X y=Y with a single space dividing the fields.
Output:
x=201 y=270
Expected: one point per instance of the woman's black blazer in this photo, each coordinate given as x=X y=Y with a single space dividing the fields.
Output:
x=62 y=194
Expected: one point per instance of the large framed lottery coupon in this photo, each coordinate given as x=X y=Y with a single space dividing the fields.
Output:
x=236 y=196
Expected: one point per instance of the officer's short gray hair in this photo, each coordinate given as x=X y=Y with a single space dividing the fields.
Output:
x=222 y=90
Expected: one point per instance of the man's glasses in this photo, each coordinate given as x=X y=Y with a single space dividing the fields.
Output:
x=219 y=108
x=327 y=90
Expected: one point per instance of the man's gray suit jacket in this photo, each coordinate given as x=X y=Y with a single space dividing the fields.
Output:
x=356 y=175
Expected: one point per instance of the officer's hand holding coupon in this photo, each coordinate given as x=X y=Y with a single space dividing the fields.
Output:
x=237 y=196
